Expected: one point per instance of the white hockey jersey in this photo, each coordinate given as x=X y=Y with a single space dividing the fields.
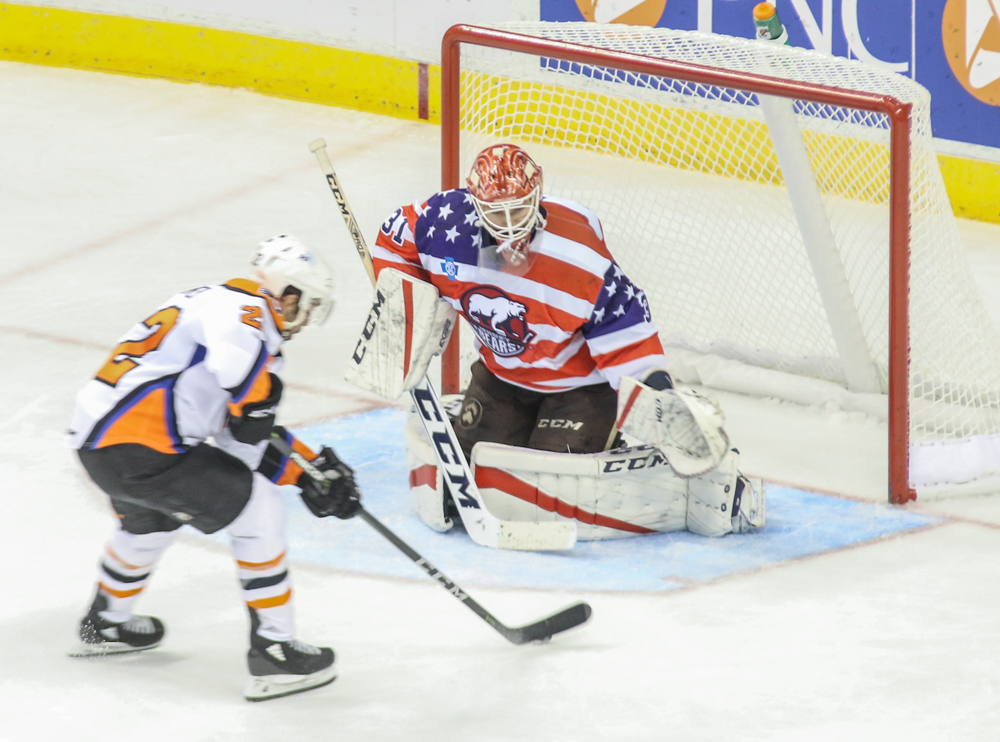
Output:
x=172 y=378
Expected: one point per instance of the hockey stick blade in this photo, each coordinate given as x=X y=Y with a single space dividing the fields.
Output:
x=568 y=618
x=539 y=631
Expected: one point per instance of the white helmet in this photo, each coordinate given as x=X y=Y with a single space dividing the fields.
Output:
x=284 y=266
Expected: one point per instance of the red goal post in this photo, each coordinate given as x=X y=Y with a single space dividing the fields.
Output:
x=897 y=112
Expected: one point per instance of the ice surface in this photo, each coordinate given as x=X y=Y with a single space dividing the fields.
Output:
x=116 y=192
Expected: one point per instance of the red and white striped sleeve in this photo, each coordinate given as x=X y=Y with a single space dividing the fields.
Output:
x=395 y=246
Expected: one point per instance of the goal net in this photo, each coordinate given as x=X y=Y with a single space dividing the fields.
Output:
x=778 y=256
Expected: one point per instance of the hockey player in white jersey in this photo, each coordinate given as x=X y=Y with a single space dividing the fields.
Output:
x=205 y=365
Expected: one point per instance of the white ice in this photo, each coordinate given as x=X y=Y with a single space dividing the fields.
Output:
x=116 y=192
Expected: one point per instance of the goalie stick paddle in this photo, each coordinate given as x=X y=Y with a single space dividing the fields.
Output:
x=482 y=526
x=542 y=630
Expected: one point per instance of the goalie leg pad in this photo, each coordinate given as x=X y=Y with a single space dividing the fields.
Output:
x=685 y=425
x=614 y=494
x=724 y=501
x=426 y=482
x=408 y=324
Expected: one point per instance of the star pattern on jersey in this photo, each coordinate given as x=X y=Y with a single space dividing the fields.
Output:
x=620 y=304
x=453 y=225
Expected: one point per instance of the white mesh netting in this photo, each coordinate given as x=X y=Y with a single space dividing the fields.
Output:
x=689 y=189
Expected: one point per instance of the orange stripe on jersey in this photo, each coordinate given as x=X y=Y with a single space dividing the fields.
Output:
x=261 y=566
x=259 y=390
x=572 y=280
x=410 y=270
x=270 y=602
x=573 y=226
x=145 y=422
x=120 y=593
x=649 y=347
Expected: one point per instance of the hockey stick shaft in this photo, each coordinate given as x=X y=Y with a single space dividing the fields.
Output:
x=318 y=148
x=482 y=526
x=567 y=618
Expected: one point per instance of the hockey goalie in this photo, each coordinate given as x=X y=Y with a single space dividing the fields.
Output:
x=569 y=414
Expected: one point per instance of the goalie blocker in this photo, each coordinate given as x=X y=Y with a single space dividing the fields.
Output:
x=408 y=325
x=614 y=494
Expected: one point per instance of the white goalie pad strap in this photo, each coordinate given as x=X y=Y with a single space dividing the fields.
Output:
x=426 y=483
x=684 y=425
x=710 y=498
x=614 y=494
x=408 y=325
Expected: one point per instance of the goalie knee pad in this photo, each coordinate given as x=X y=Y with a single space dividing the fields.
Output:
x=724 y=501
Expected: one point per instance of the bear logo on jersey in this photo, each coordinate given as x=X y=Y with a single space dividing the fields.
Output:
x=498 y=321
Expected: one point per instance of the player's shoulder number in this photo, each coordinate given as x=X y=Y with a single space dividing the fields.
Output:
x=395 y=226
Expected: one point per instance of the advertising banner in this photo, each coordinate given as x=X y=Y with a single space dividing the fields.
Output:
x=951 y=47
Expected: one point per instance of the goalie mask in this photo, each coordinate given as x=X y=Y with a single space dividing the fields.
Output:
x=506 y=189
x=285 y=267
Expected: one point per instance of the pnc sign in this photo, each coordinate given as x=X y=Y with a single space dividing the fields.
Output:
x=632 y=12
x=970 y=30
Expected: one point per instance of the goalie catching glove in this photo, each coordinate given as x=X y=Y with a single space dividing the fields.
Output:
x=408 y=325
x=684 y=425
x=336 y=494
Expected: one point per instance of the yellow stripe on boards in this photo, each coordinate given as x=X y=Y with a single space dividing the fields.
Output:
x=287 y=69
x=389 y=86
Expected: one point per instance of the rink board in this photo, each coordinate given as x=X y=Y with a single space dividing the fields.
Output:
x=799 y=524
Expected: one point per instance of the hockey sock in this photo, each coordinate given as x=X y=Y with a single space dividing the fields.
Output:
x=125 y=567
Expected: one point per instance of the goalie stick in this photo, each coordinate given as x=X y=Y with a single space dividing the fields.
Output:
x=482 y=526
x=542 y=630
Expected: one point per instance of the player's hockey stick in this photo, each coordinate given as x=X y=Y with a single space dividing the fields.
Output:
x=482 y=526
x=569 y=617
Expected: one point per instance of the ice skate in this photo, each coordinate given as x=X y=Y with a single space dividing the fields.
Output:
x=99 y=636
x=282 y=668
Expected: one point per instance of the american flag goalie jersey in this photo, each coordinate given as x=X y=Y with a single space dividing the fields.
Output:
x=574 y=319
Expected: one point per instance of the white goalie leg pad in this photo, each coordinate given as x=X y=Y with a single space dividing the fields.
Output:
x=724 y=501
x=407 y=326
x=685 y=425
x=614 y=494
x=426 y=482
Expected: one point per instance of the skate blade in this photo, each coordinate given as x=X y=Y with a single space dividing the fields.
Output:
x=266 y=687
x=105 y=649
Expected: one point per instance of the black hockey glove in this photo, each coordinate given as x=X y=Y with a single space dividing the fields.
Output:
x=257 y=420
x=658 y=379
x=336 y=494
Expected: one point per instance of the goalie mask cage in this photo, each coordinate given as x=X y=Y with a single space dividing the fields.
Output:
x=783 y=211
